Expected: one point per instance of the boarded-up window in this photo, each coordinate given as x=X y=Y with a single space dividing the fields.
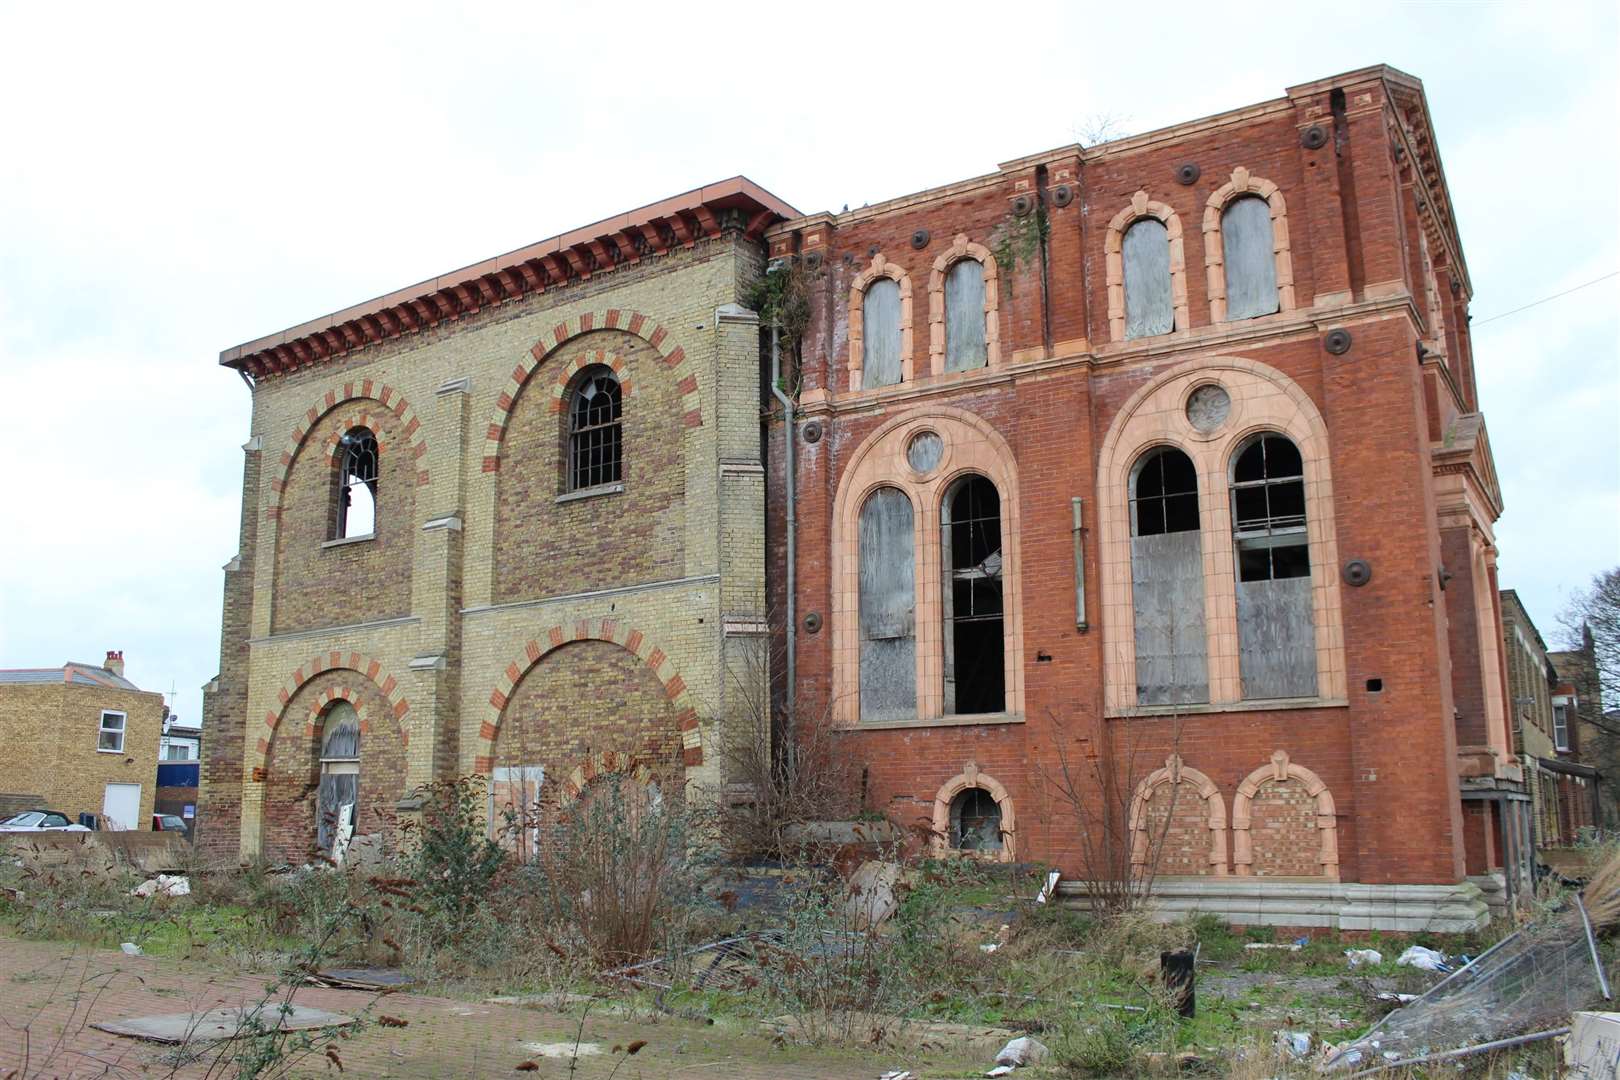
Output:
x=1167 y=581
x=1251 y=263
x=1148 y=310
x=975 y=650
x=880 y=330
x=964 y=316
x=888 y=601
x=338 y=801
x=1276 y=629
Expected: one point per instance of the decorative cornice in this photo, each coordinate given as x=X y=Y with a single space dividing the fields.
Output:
x=735 y=205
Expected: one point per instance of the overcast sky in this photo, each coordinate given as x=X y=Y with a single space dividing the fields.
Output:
x=176 y=181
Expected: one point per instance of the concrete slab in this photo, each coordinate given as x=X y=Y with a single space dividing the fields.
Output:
x=215 y=1024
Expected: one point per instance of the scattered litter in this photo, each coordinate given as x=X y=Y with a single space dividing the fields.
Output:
x=721 y=965
x=163 y=885
x=1023 y=1050
x=1049 y=888
x=385 y=979
x=1358 y=957
x=1122 y=1008
x=1390 y=995
x=1296 y=1044
x=1530 y=981
x=131 y=949
x=1000 y=1070
x=1426 y=959
x=1003 y=936
x=229 y=1023
x=1256 y=946
x=1593 y=1046
x=564 y=1049
x=897 y=1074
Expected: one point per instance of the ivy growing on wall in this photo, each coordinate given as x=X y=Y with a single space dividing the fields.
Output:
x=1018 y=240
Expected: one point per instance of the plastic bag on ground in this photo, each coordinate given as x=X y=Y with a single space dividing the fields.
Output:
x=163 y=885
x=1358 y=957
x=1427 y=959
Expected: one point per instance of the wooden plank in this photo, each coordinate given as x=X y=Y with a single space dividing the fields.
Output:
x=1167 y=584
x=1146 y=251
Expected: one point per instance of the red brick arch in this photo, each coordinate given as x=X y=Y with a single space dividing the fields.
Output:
x=609 y=630
x=367 y=668
x=387 y=397
x=631 y=322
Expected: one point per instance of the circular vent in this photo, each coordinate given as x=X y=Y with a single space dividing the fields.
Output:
x=1336 y=342
x=1357 y=572
x=1187 y=175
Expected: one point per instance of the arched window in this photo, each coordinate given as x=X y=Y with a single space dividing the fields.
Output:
x=1250 y=259
x=595 y=430
x=1146 y=259
x=1167 y=580
x=880 y=329
x=971 y=598
x=965 y=345
x=888 y=600
x=338 y=805
x=357 y=484
x=975 y=821
x=1276 y=629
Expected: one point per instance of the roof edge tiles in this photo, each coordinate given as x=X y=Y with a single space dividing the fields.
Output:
x=601 y=247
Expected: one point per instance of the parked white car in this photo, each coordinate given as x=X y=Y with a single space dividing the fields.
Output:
x=39 y=821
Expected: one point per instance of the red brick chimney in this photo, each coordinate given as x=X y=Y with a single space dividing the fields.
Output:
x=115 y=662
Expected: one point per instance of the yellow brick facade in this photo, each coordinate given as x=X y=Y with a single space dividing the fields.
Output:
x=445 y=668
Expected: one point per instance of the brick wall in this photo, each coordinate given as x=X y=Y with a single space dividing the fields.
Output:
x=51 y=734
x=1387 y=749
x=616 y=539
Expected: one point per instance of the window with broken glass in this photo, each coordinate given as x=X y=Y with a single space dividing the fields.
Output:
x=880 y=334
x=975 y=650
x=1250 y=257
x=338 y=807
x=357 y=484
x=975 y=821
x=1167 y=580
x=595 y=431
x=1276 y=629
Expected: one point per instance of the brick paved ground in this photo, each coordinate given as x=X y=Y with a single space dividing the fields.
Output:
x=50 y=993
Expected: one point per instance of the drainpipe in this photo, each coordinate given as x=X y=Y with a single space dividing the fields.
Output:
x=792 y=529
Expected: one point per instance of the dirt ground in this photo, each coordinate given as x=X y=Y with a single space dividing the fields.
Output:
x=51 y=992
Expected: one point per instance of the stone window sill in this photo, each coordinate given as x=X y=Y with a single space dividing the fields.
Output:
x=968 y=720
x=1266 y=705
x=345 y=540
x=103 y=750
x=591 y=492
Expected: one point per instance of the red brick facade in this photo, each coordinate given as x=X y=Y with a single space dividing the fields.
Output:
x=1364 y=244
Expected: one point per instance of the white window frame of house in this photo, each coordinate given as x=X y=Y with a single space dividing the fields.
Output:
x=1560 y=731
x=120 y=731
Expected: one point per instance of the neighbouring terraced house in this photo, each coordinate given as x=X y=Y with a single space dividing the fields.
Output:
x=1158 y=460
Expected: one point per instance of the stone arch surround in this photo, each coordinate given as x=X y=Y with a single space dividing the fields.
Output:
x=1175 y=773
x=1281 y=770
x=361 y=390
x=963 y=248
x=368 y=669
x=881 y=268
x=1114 y=256
x=1243 y=183
x=969 y=778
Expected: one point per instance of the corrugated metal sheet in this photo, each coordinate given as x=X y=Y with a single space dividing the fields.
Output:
x=1148 y=310
x=964 y=317
x=1167 y=584
x=888 y=599
x=1276 y=638
x=1251 y=265
x=880 y=330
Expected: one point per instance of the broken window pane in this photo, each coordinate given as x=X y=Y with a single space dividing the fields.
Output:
x=1167 y=581
x=880 y=330
x=975 y=821
x=1146 y=256
x=975 y=650
x=1251 y=263
x=357 y=484
x=1276 y=629
x=964 y=316
x=888 y=598
x=338 y=799
x=595 y=438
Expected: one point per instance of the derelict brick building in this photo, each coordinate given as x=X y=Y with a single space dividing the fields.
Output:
x=1165 y=454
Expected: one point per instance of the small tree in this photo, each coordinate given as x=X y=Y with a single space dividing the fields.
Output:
x=454 y=861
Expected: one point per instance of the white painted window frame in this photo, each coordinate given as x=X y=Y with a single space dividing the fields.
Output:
x=121 y=731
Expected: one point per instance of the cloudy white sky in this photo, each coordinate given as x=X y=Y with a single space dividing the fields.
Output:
x=177 y=180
